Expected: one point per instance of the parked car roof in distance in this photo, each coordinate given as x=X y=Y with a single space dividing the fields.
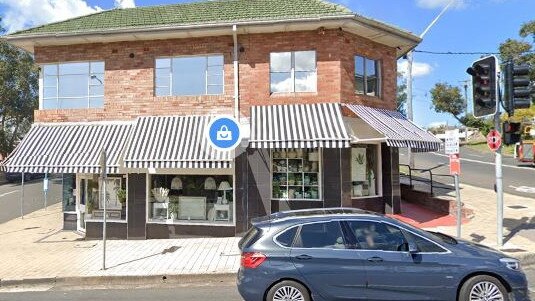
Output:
x=304 y=213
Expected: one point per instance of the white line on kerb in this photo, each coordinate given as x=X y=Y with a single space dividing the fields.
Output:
x=8 y=193
x=525 y=189
x=487 y=163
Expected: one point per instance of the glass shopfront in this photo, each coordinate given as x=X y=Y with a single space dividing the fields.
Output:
x=191 y=199
x=296 y=174
x=90 y=195
x=365 y=170
x=69 y=192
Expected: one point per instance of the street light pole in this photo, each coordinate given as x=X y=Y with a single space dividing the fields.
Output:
x=410 y=60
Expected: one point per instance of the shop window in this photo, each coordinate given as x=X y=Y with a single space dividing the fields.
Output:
x=367 y=76
x=296 y=174
x=191 y=199
x=68 y=192
x=91 y=197
x=77 y=85
x=293 y=71
x=364 y=170
x=189 y=76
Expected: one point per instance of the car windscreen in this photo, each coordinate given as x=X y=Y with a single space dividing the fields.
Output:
x=435 y=236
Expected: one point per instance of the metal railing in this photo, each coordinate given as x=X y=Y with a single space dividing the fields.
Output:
x=429 y=181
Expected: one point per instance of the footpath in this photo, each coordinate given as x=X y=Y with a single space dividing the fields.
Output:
x=35 y=251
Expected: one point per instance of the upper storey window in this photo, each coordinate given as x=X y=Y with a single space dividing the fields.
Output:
x=293 y=71
x=367 y=76
x=77 y=85
x=189 y=76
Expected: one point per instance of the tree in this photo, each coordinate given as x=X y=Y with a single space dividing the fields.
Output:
x=18 y=95
x=448 y=99
x=401 y=94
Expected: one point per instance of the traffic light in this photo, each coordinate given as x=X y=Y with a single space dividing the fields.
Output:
x=517 y=87
x=512 y=132
x=484 y=86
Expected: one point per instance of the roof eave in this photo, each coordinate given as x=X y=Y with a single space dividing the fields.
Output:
x=28 y=41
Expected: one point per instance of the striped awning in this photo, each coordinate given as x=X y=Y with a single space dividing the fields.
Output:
x=398 y=130
x=69 y=148
x=173 y=142
x=298 y=126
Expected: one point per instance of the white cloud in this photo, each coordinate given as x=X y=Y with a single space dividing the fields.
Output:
x=21 y=14
x=125 y=3
x=418 y=69
x=432 y=4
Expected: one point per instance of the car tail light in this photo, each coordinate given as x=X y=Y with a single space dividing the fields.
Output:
x=252 y=260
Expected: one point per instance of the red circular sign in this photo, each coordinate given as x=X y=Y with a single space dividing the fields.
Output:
x=494 y=140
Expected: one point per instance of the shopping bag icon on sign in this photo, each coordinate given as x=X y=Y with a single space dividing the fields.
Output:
x=223 y=134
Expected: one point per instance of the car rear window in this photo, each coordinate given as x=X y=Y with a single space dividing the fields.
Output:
x=286 y=238
x=249 y=238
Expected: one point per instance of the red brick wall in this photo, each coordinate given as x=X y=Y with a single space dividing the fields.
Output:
x=129 y=82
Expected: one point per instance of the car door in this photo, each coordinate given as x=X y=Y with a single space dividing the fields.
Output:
x=322 y=257
x=392 y=272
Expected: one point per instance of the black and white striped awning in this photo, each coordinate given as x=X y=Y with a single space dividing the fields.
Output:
x=398 y=130
x=69 y=148
x=173 y=142
x=298 y=126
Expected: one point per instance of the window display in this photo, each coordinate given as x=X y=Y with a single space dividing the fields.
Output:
x=296 y=174
x=191 y=198
x=364 y=170
x=91 y=197
x=69 y=192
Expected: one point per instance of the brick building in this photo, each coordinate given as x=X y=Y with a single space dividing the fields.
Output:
x=312 y=85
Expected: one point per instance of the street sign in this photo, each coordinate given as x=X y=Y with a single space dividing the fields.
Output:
x=494 y=140
x=223 y=133
x=455 y=164
x=451 y=143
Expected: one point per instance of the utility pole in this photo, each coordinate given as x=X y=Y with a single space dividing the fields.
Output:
x=410 y=60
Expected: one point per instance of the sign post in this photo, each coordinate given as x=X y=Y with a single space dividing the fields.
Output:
x=451 y=148
x=45 y=188
x=103 y=196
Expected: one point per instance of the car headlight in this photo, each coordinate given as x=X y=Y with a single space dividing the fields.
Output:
x=511 y=263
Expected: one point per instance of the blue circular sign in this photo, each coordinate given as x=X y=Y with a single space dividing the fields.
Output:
x=224 y=133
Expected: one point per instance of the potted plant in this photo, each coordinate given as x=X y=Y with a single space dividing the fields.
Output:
x=90 y=206
x=173 y=210
x=121 y=195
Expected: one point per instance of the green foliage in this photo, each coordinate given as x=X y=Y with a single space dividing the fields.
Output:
x=448 y=99
x=18 y=95
x=483 y=124
x=401 y=95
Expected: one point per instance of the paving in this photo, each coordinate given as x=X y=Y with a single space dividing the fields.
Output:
x=35 y=248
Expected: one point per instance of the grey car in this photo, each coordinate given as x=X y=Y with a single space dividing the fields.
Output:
x=349 y=254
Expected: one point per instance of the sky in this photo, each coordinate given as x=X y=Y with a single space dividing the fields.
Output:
x=469 y=26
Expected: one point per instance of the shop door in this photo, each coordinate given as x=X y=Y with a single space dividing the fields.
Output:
x=80 y=206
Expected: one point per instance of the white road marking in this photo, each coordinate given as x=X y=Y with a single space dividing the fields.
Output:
x=8 y=193
x=487 y=163
x=525 y=189
x=472 y=155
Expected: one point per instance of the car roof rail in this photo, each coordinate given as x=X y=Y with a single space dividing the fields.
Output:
x=310 y=212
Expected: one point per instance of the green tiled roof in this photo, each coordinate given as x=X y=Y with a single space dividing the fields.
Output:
x=204 y=12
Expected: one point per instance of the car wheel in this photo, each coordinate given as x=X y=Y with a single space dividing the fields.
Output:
x=483 y=288
x=288 y=290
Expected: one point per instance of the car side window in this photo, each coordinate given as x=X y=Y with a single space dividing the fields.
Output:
x=320 y=235
x=286 y=238
x=423 y=244
x=372 y=235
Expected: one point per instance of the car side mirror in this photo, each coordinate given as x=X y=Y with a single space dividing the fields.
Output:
x=413 y=248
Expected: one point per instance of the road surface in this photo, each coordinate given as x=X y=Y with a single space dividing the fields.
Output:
x=477 y=169
x=33 y=197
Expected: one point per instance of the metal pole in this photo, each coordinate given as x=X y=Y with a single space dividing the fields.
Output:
x=459 y=205
x=45 y=188
x=499 y=182
x=22 y=197
x=103 y=179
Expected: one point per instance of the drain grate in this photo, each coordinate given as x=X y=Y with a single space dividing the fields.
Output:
x=517 y=207
x=512 y=250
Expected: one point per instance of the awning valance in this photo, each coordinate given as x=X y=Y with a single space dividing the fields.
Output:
x=298 y=126
x=397 y=129
x=69 y=148
x=173 y=142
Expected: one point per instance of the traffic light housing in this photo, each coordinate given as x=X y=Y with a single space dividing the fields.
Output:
x=484 y=86
x=517 y=87
x=512 y=132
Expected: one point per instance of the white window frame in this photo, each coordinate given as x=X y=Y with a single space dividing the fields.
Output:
x=292 y=72
x=365 y=76
x=58 y=98
x=206 y=84
x=378 y=173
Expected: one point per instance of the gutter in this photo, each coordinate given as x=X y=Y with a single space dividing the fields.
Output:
x=236 y=74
